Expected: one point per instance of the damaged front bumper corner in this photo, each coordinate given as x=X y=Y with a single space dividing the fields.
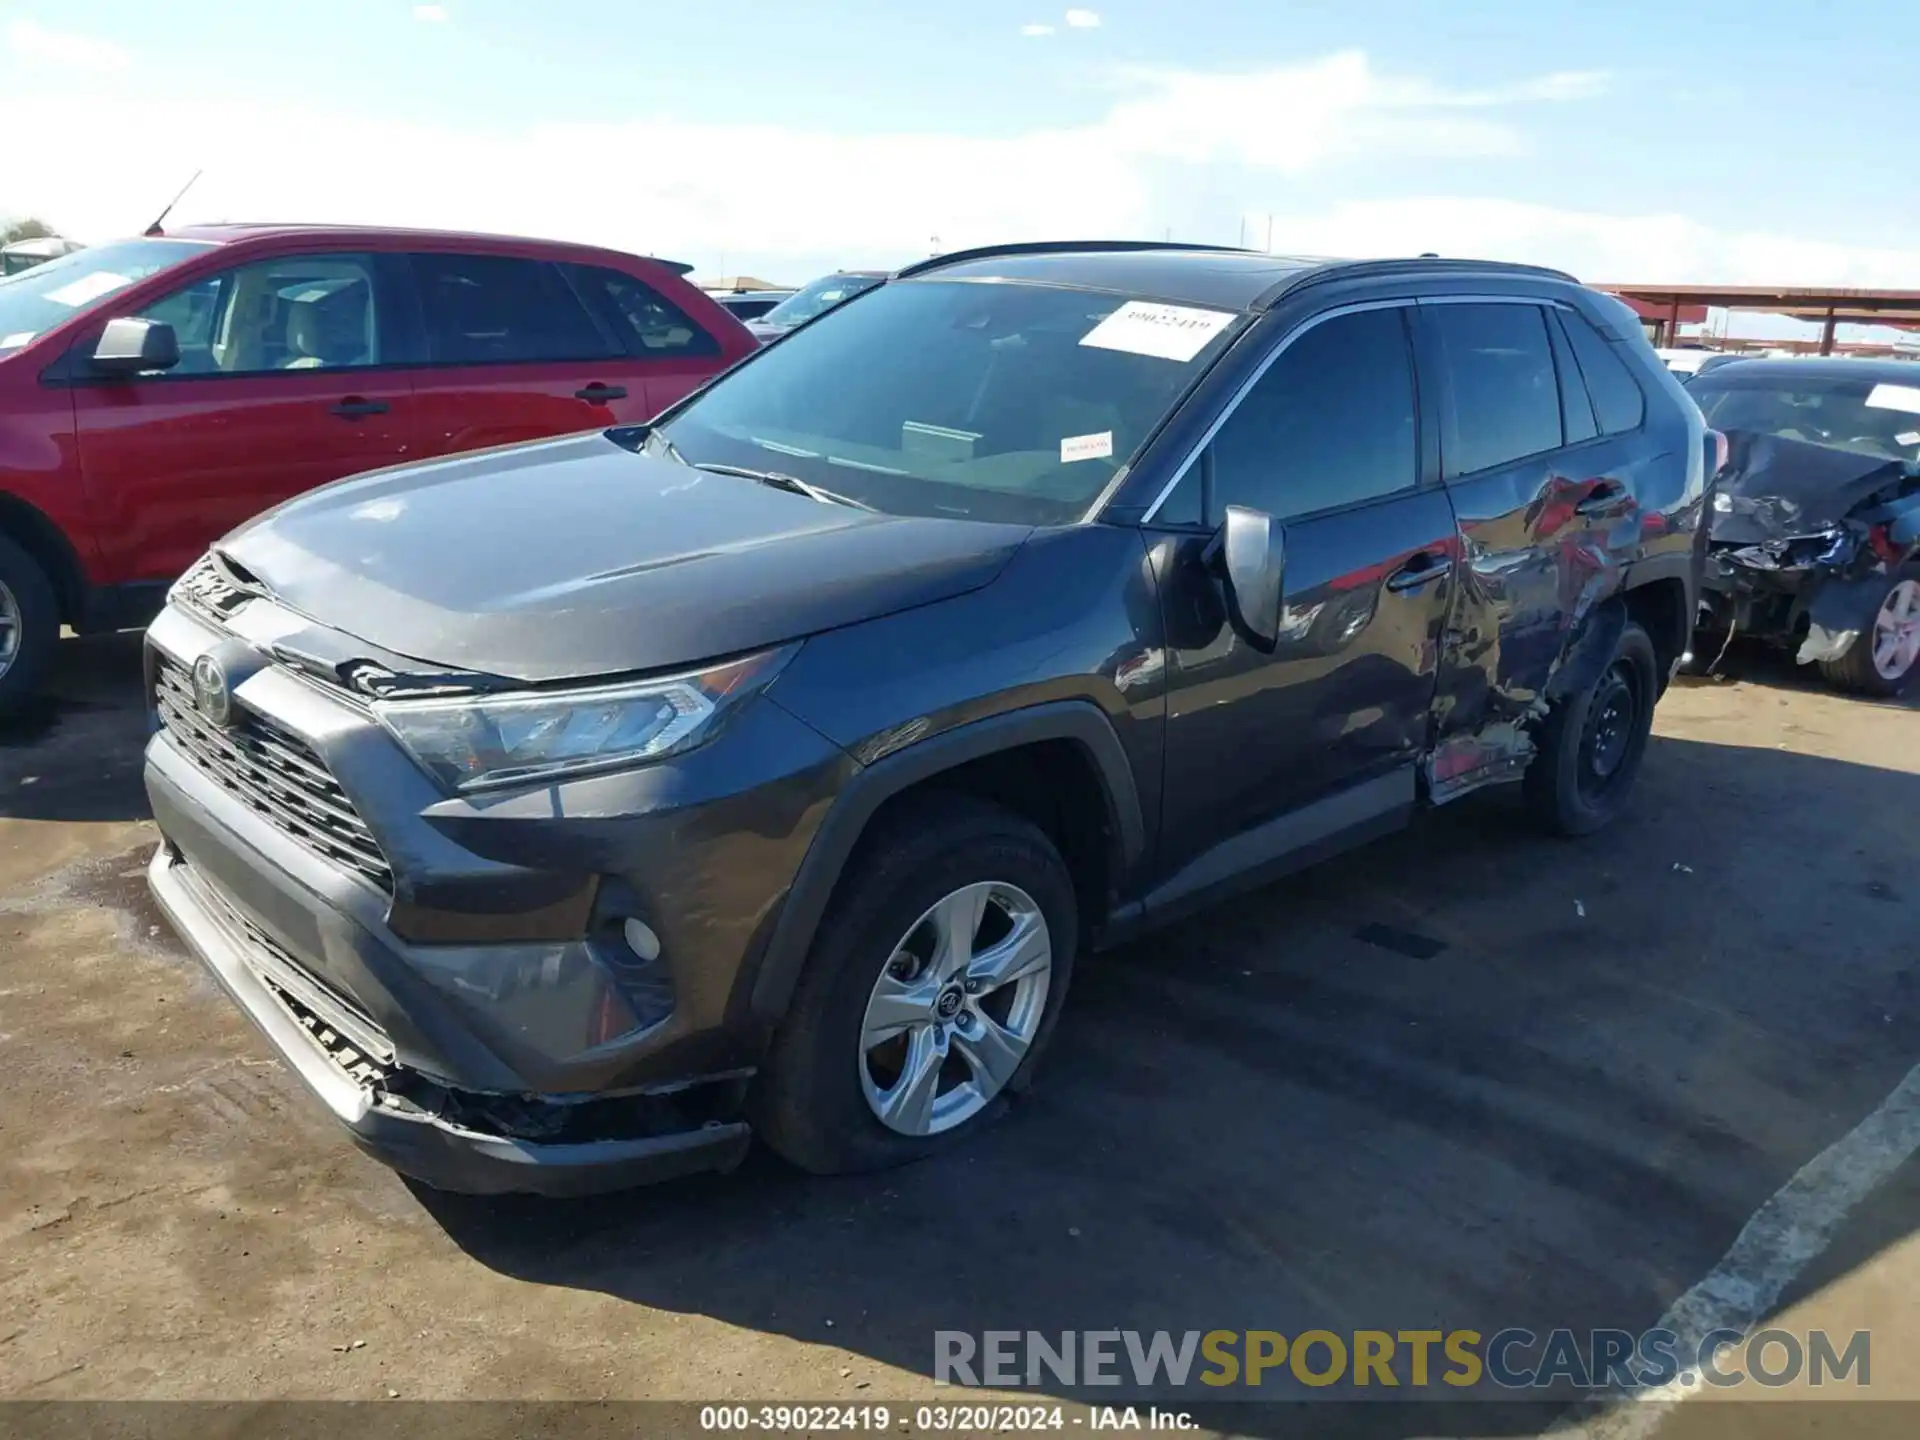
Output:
x=431 y=1145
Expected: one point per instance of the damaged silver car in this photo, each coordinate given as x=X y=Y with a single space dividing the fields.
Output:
x=1815 y=539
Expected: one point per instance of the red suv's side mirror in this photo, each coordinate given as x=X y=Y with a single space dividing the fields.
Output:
x=130 y=345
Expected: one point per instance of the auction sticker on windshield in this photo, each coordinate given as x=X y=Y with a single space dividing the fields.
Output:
x=1172 y=332
x=1895 y=397
x=1086 y=447
x=88 y=287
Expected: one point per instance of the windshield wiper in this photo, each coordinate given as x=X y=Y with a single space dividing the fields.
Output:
x=780 y=480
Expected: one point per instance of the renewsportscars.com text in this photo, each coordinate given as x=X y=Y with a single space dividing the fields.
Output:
x=1511 y=1359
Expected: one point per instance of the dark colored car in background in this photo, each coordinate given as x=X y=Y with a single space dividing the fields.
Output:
x=565 y=814
x=811 y=301
x=156 y=392
x=748 y=304
x=1815 y=533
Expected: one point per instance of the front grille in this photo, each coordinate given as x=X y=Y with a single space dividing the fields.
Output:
x=272 y=772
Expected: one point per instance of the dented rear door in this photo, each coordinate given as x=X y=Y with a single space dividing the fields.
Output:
x=1549 y=514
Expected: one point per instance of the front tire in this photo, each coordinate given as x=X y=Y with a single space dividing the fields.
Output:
x=1885 y=656
x=29 y=626
x=931 y=990
x=1593 y=742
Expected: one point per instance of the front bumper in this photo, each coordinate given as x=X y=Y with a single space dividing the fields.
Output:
x=439 y=1154
x=455 y=1018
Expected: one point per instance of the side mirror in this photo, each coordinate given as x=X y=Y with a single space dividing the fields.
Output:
x=1250 y=549
x=130 y=345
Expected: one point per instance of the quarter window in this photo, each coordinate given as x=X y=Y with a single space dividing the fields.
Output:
x=1617 y=402
x=1331 y=422
x=649 y=323
x=498 y=309
x=1505 y=400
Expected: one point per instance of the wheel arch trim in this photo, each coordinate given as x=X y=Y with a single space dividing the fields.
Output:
x=768 y=988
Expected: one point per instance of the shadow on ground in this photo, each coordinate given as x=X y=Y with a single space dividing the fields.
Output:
x=74 y=755
x=1775 y=668
x=1557 y=1108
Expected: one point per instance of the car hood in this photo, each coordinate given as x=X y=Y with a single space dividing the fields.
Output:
x=1780 y=487
x=576 y=557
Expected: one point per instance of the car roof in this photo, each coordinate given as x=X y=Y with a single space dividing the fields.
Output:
x=1831 y=367
x=230 y=231
x=1207 y=276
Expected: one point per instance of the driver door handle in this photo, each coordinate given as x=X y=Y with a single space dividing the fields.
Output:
x=1422 y=569
x=598 y=394
x=354 y=406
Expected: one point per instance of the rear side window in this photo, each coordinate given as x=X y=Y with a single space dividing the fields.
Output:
x=1505 y=399
x=499 y=309
x=1617 y=402
x=1330 y=423
x=647 y=322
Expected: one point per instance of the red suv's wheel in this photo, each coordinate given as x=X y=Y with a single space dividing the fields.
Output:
x=29 y=625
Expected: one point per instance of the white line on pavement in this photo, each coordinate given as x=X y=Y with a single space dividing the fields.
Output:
x=1784 y=1236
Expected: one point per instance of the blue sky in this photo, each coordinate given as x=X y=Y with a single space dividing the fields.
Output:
x=1630 y=141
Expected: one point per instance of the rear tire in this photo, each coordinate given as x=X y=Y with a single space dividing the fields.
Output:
x=820 y=1098
x=29 y=626
x=1880 y=662
x=1593 y=742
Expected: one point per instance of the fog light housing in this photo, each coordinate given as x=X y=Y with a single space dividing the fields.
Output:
x=641 y=939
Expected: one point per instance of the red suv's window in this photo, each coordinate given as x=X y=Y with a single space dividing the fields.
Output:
x=649 y=323
x=495 y=309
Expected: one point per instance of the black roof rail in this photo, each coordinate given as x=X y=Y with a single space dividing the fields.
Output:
x=1059 y=247
x=1347 y=269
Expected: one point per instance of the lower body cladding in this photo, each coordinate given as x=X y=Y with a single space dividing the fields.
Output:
x=563 y=1026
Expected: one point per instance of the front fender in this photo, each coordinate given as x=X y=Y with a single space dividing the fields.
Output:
x=771 y=983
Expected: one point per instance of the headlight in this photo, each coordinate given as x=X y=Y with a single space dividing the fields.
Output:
x=1722 y=503
x=476 y=742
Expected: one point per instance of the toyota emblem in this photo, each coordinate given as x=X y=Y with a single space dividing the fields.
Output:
x=211 y=695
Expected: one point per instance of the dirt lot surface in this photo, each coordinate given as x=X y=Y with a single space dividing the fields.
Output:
x=1558 y=1110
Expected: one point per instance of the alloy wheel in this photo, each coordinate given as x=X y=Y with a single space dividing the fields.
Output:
x=955 y=1009
x=10 y=628
x=1896 y=631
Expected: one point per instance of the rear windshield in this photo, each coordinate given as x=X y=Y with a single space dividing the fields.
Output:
x=822 y=295
x=1008 y=402
x=1849 y=413
x=41 y=298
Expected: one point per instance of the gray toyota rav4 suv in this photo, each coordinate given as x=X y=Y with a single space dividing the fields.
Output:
x=566 y=813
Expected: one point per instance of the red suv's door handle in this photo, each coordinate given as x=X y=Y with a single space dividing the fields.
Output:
x=354 y=406
x=596 y=393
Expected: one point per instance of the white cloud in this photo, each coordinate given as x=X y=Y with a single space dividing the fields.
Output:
x=431 y=14
x=823 y=197
x=1036 y=30
x=1083 y=19
x=1594 y=245
x=64 y=49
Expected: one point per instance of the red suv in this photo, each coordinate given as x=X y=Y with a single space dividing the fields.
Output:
x=156 y=392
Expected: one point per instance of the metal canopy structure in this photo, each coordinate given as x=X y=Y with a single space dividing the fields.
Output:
x=1669 y=306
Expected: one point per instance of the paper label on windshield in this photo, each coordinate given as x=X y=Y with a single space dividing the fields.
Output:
x=88 y=287
x=1905 y=437
x=16 y=340
x=1896 y=397
x=1172 y=332
x=1086 y=447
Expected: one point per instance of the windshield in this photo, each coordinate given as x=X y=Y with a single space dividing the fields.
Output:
x=40 y=298
x=1006 y=402
x=1849 y=413
x=823 y=294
